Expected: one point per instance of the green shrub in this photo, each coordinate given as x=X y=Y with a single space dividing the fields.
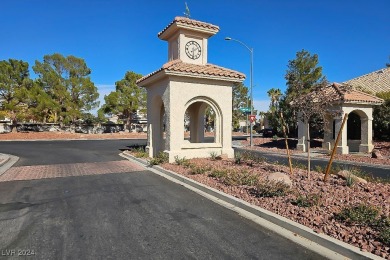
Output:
x=218 y=173
x=361 y=214
x=350 y=180
x=307 y=201
x=248 y=179
x=234 y=177
x=159 y=159
x=272 y=189
x=213 y=155
x=384 y=236
x=237 y=158
x=199 y=169
x=319 y=169
x=181 y=161
x=248 y=156
x=300 y=166
x=383 y=222
x=139 y=152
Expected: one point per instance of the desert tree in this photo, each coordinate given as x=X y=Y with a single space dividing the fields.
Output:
x=306 y=92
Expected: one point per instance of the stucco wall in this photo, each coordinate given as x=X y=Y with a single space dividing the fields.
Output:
x=177 y=93
x=345 y=146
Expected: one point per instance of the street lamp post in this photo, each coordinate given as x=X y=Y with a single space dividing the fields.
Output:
x=251 y=82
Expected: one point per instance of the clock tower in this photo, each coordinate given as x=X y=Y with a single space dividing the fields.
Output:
x=187 y=40
x=180 y=93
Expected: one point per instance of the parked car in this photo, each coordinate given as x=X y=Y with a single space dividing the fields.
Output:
x=267 y=132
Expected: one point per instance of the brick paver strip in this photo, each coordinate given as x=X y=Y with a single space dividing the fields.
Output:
x=67 y=170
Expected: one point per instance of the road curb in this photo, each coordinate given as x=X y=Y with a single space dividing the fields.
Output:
x=7 y=163
x=4 y=159
x=322 y=244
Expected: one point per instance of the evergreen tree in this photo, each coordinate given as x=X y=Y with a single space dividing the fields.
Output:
x=14 y=86
x=304 y=80
x=240 y=100
x=127 y=97
x=66 y=80
x=381 y=117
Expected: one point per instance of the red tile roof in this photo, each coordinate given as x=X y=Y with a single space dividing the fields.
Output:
x=190 y=22
x=346 y=93
x=373 y=82
x=189 y=69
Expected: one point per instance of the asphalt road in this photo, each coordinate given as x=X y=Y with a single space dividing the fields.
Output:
x=65 y=151
x=135 y=215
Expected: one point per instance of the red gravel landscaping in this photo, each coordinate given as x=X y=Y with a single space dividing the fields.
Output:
x=328 y=198
x=279 y=146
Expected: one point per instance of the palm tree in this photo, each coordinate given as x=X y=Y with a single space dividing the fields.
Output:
x=274 y=94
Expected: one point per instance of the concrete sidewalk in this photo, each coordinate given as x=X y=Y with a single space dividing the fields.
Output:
x=6 y=162
x=322 y=244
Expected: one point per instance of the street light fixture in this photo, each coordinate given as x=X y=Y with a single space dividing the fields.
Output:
x=251 y=81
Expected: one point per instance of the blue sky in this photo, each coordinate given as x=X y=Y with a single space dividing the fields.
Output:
x=351 y=37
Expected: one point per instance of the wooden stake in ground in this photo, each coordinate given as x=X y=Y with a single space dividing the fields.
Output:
x=285 y=139
x=334 y=148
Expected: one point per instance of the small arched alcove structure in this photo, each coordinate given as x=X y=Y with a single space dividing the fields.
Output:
x=356 y=136
x=357 y=129
x=188 y=85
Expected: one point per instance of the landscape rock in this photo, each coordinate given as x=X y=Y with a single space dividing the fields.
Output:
x=347 y=174
x=376 y=154
x=279 y=177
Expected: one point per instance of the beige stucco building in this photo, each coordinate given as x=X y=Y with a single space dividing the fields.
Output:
x=356 y=136
x=187 y=83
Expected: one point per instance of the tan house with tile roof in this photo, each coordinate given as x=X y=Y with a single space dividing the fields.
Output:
x=374 y=82
x=188 y=84
x=357 y=133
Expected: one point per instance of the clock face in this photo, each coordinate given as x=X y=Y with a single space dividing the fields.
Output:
x=193 y=50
